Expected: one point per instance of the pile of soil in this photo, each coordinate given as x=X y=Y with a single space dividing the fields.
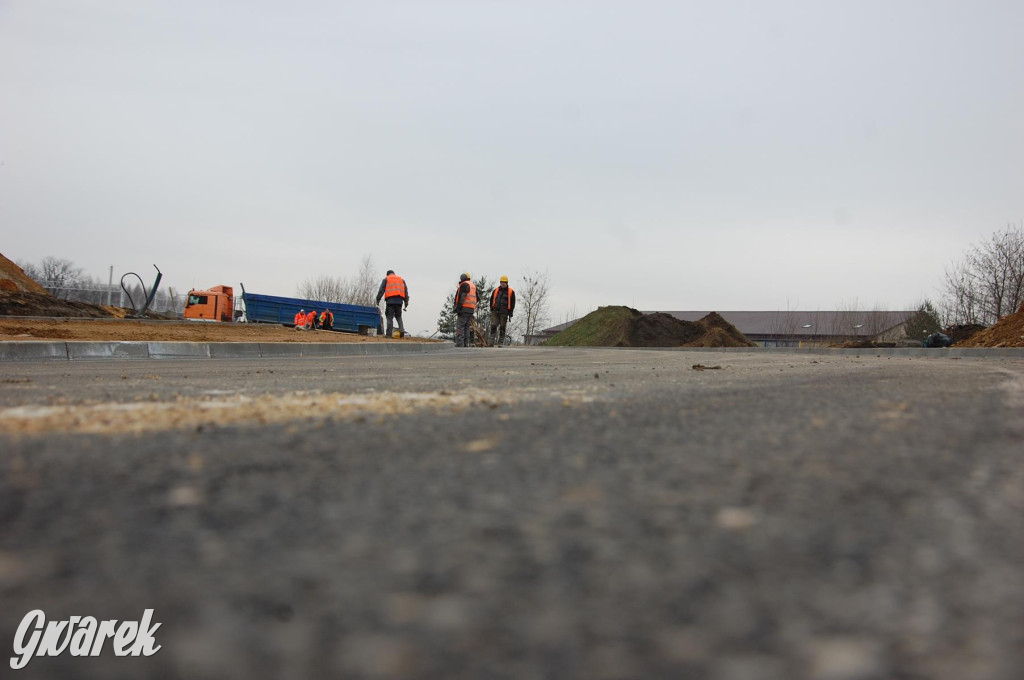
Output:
x=19 y=303
x=13 y=279
x=962 y=332
x=103 y=330
x=1007 y=332
x=626 y=327
x=22 y=303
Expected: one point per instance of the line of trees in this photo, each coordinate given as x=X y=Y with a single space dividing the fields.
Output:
x=358 y=289
x=988 y=282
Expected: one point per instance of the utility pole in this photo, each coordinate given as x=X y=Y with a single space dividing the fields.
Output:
x=110 y=285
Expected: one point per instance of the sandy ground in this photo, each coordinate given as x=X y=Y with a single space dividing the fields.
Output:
x=100 y=330
x=306 y=407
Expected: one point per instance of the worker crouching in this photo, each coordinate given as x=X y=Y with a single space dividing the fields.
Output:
x=327 y=320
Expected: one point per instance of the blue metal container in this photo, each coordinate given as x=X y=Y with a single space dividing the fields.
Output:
x=282 y=310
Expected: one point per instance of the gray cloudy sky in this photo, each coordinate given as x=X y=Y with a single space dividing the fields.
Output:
x=664 y=155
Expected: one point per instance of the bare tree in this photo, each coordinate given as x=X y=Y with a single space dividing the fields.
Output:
x=59 y=272
x=31 y=270
x=988 y=283
x=960 y=300
x=532 y=298
x=365 y=283
x=323 y=287
x=359 y=289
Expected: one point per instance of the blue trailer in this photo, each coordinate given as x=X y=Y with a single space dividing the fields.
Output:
x=282 y=310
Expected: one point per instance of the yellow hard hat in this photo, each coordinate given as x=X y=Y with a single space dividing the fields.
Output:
x=396 y=334
x=465 y=276
x=504 y=279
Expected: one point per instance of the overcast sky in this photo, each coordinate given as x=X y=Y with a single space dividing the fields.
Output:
x=663 y=155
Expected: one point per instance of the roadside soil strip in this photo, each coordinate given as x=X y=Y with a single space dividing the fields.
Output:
x=171 y=331
x=237 y=409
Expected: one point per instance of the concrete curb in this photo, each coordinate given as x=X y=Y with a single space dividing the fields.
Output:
x=75 y=350
x=931 y=353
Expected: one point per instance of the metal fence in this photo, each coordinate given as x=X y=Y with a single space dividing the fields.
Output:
x=166 y=301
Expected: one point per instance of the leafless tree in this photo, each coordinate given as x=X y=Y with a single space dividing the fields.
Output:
x=960 y=303
x=532 y=298
x=31 y=270
x=323 y=287
x=365 y=283
x=359 y=289
x=988 y=283
x=58 y=275
x=59 y=272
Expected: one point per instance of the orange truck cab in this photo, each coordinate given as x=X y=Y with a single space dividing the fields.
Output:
x=216 y=304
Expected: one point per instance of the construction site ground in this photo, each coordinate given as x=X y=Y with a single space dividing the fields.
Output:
x=561 y=513
x=27 y=329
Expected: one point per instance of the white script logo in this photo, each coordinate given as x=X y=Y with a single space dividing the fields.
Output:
x=130 y=639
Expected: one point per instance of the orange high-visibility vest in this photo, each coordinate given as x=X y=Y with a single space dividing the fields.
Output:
x=395 y=287
x=469 y=301
x=300 y=319
x=508 y=298
x=311 y=317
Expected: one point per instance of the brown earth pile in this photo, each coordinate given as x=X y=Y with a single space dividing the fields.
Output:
x=1007 y=332
x=721 y=333
x=664 y=330
x=13 y=278
x=19 y=303
x=617 y=326
x=958 y=334
x=23 y=303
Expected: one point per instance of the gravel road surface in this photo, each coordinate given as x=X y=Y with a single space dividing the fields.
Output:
x=523 y=513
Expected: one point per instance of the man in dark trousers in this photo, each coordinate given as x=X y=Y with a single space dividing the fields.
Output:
x=395 y=294
x=503 y=303
x=465 y=307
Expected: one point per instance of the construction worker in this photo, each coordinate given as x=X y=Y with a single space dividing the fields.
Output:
x=503 y=303
x=395 y=294
x=311 y=319
x=465 y=307
x=300 y=321
x=327 y=319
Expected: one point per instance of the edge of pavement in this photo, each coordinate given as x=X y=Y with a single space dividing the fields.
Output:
x=82 y=350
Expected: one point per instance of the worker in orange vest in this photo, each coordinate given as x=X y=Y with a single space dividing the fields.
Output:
x=300 y=320
x=396 y=294
x=327 y=320
x=311 y=319
x=503 y=303
x=465 y=307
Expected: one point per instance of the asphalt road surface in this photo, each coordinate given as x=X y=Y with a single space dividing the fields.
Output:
x=522 y=514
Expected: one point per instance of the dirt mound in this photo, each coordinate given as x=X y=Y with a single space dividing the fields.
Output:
x=19 y=303
x=625 y=327
x=662 y=330
x=962 y=332
x=1007 y=332
x=13 y=278
x=22 y=303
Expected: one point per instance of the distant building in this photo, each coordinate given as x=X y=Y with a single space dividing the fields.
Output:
x=792 y=328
